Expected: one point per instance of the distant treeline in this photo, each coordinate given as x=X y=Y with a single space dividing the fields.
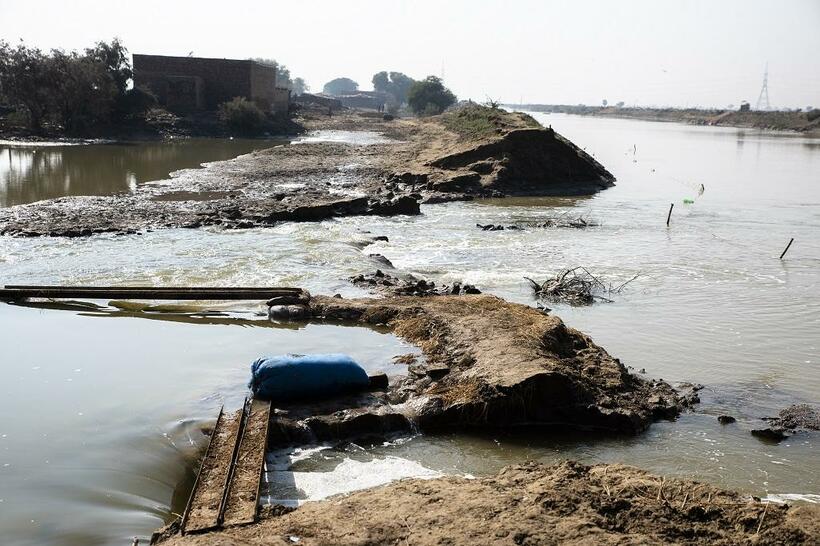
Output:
x=72 y=90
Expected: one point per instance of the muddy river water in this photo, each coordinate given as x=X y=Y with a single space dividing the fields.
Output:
x=101 y=413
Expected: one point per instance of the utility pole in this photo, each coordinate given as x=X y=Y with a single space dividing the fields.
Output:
x=763 y=98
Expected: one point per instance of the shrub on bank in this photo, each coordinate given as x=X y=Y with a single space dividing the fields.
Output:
x=242 y=116
x=429 y=97
x=476 y=121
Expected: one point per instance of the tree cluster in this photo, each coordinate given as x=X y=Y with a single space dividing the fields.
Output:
x=394 y=84
x=77 y=91
x=429 y=97
x=340 y=86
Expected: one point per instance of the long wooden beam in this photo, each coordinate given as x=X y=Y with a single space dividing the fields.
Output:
x=18 y=292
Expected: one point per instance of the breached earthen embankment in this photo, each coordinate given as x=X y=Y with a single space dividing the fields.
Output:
x=423 y=160
x=487 y=363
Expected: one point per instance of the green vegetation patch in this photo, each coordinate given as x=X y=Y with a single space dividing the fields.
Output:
x=478 y=121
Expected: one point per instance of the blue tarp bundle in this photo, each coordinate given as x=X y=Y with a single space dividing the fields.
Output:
x=291 y=377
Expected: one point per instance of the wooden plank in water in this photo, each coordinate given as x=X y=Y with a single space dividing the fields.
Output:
x=242 y=501
x=218 y=288
x=206 y=500
x=148 y=292
x=201 y=466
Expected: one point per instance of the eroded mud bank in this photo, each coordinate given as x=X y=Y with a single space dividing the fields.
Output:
x=487 y=363
x=319 y=178
x=567 y=503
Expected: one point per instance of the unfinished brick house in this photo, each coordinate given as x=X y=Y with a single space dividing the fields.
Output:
x=190 y=84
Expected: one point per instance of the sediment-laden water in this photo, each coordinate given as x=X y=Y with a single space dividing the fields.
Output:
x=713 y=304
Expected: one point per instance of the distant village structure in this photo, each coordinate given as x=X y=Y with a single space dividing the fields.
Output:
x=191 y=84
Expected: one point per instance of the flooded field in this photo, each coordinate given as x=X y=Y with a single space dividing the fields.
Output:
x=108 y=410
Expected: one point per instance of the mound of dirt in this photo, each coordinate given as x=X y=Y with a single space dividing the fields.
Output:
x=506 y=364
x=531 y=504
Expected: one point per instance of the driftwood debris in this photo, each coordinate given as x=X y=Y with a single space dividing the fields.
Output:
x=576 y=286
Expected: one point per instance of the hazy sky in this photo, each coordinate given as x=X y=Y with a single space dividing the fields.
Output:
x=648 y=52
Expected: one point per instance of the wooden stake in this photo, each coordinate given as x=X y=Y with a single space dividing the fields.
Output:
x=787 y=247
x=669 y=216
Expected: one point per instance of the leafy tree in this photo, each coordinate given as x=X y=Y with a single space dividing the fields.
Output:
x=27 y=81
x=381 y=81
x=393 y=83
x=604 y=102
x=401 y=85
x=86 y=91
x=340 y=86
x=300 y=87
x=113 y=57
x=429 y=96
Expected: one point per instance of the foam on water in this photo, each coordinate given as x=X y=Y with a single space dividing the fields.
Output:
x=290 y=487
x=783 y=498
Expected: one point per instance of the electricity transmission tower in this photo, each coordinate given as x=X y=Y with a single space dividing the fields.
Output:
x=763 y=99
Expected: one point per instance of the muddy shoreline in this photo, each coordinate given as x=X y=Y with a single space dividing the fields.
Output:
x=357 y=165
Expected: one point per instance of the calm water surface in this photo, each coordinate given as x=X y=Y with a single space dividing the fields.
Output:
x=33 y=173
x=713 y=305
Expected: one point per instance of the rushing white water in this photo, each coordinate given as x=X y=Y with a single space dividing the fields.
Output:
x=713 y=305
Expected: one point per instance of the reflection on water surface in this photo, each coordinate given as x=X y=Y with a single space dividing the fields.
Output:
x=34 y=173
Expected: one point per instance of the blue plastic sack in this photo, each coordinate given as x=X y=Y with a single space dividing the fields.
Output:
x=292 y=377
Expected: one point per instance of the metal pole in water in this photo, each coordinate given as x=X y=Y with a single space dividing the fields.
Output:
x=787 y=248
x=669 y=216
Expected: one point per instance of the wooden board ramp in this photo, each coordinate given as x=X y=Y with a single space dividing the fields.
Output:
x=287 y=294
x=204 y=506
x=226 y=491
x=242 y=498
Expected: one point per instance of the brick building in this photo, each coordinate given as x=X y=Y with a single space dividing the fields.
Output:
x=188 y=84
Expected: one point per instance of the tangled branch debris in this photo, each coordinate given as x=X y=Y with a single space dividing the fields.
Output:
x=566 y=221
x=576 y=286
x=409 y=286
x=558 y=221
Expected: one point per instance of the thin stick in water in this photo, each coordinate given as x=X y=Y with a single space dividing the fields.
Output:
x=669 y=216
x=787 y=247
